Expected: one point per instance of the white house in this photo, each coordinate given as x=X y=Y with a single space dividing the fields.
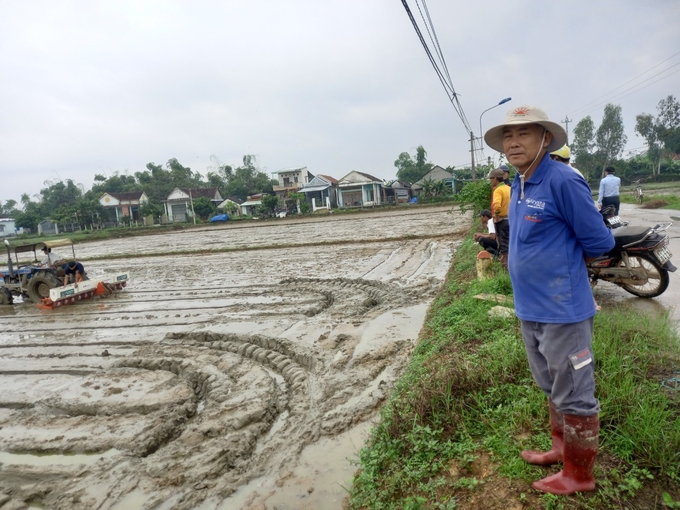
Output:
x=178 y=204
x=291 y=180
x=7 y=227
x=124 y=204
x=358 y=189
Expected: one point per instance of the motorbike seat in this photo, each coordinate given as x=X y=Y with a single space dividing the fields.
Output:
x=628 y=234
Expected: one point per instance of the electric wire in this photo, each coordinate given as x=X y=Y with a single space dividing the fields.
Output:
x=624 y=84
x=443 y=75
x=622 y=94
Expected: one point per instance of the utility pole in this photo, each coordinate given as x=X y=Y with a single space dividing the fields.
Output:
x=566 y=122
x=473 y=171
x=193 y=214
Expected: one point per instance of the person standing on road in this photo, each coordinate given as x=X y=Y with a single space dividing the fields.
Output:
x=608 y=193
x=556 y=230
x=499 y=208
x=487 y=241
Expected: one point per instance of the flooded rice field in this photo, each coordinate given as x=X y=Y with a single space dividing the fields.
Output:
x=234 y=379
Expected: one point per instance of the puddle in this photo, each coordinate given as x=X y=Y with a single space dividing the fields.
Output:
x=55 y=459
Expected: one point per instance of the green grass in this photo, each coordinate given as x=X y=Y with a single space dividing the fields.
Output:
x=653 y=201
x=467 y=394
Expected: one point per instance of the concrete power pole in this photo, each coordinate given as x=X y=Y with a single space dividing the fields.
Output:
x=473 y=170
x=566 y=122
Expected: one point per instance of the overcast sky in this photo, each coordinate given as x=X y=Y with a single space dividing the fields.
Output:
x=93 y=87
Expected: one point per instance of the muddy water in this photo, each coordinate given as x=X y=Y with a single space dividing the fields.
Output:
x=242 y=379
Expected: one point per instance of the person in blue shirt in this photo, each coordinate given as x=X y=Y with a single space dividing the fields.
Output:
x=608 y=194
x=556 y=230
x=74 y=272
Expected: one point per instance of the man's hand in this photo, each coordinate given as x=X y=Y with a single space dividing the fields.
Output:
x=477 y=236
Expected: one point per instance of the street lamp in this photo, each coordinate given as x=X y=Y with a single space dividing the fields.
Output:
x=481 y=136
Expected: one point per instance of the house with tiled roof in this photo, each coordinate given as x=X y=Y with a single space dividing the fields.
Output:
x=178 y=205
x=359 y=189
x=124 y=204
x=321 y=192
x=436 y=174
x=232 y=205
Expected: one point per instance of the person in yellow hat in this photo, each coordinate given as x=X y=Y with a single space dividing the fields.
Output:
x=563 y=155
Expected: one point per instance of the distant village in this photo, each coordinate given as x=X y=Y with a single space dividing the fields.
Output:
x=354 y=190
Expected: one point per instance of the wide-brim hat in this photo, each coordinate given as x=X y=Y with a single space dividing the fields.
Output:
x=526 y=115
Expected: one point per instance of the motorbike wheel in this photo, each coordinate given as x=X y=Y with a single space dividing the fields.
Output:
x=39 y=287
x=657 y=277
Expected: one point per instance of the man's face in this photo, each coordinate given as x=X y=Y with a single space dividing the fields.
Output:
x=522 y=143
x=484 y=220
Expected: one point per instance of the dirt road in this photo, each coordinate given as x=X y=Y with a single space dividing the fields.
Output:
x=241 y=379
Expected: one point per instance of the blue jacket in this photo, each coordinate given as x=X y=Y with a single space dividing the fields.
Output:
x=552 y=229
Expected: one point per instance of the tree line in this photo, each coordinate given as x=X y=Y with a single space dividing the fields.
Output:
x=596 y=148
x=68 y=203
x=593 y=149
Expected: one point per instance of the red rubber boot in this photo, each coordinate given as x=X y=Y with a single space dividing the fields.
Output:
x=554 y=455
x=580 y=449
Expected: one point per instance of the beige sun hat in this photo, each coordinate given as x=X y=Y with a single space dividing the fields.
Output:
x=526 y=115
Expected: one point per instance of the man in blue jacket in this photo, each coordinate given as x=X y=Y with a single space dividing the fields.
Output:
x=556 y=230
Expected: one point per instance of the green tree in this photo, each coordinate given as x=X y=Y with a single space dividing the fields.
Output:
x=475 y=195
x=204 y=208
x=412 y=169
x=9 y=209
x=269 y=205
x=610 y=136
x=248 y=180
x=583 y=146
x=292 y=201
x=669 y=124
x=151 y=209
x=647 y=127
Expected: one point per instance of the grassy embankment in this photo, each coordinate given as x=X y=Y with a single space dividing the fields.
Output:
x=451 y=433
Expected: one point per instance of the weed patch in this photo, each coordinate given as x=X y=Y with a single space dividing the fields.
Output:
x=467 y=399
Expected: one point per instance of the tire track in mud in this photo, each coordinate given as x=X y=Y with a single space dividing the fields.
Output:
x=238 y=394
x=183 y=389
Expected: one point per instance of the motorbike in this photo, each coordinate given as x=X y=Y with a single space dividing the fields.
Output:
x=640 y=261
x=611 y=219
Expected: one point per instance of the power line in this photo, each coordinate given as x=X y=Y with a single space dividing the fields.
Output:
x=444 y=76
x=624 y=84
x=619 y=96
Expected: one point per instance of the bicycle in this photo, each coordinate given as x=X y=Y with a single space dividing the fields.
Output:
x=638 y=194
x=638 y=190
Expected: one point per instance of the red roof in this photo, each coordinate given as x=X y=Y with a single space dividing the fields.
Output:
x=330 y=179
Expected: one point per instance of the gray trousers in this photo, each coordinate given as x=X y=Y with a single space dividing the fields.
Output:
x=562 y=363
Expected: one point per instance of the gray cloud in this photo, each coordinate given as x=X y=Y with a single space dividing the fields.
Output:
x=99 y=87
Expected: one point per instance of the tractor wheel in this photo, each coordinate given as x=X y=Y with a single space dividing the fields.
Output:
x=39 y=287
x=5 y=297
